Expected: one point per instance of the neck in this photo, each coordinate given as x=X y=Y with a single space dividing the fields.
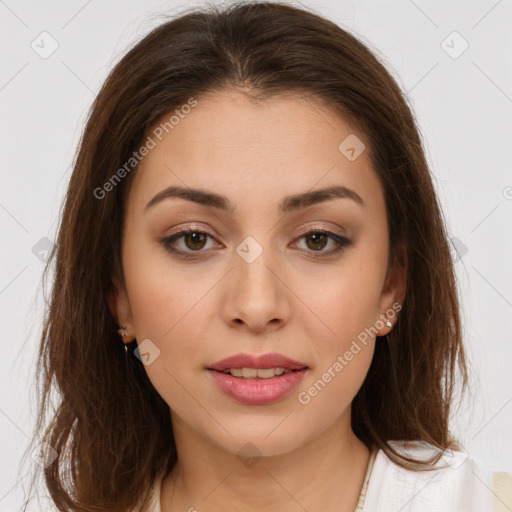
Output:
x=325 y=473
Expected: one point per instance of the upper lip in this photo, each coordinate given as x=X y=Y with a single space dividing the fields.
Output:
x=271 y=360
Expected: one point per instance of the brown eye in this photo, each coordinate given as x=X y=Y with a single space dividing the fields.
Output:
x=194 y=240
x=318 y=241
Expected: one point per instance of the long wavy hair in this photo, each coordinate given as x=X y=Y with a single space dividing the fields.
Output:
x=109 y=428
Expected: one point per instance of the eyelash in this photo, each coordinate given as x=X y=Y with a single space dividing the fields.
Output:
x=341 y=241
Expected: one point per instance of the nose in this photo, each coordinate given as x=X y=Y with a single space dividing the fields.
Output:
x=257 y=294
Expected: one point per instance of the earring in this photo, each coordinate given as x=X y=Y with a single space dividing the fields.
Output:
x=124 y=337
x=388 y=324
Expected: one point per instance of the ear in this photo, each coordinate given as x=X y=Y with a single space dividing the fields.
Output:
x=119 y=305
x=393 y=292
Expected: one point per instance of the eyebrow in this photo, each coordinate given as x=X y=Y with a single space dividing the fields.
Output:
x=288 y=204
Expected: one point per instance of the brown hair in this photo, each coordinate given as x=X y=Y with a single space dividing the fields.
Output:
x=110 y=427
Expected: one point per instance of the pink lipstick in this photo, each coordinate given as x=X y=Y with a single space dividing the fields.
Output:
x=257 y=380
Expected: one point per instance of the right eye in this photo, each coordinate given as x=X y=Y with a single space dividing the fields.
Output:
x=194 y=240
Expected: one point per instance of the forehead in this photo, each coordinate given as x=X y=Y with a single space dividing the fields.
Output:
x=240 y=148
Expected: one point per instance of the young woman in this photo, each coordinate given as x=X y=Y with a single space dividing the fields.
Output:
x=254 y=304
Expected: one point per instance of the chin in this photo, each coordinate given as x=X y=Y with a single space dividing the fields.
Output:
x=250 y=448
x=260 y=437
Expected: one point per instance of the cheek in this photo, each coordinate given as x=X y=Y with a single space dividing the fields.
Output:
x=161 y=290
x=346 y=311
x=330 y=392
x=344 y=345
x=165 y=311
x=347 y=304
x=161 y=302
x=172 y=306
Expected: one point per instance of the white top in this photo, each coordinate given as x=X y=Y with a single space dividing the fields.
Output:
x=459 y=484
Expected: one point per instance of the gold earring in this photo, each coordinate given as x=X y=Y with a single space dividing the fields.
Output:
x=125 y=337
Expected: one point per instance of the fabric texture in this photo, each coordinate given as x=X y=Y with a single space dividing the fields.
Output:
x=458 y=484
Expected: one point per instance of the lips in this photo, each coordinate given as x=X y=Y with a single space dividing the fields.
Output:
x=264 y=361
x=256 y=390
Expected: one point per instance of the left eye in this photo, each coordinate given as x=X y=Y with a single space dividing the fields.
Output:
x=195 y=240
x=318 y=239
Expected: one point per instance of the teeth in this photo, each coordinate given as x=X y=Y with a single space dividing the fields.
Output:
x=252 y=373
x=249 y=373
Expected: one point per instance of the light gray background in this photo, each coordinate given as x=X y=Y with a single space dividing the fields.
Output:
x=463 y=104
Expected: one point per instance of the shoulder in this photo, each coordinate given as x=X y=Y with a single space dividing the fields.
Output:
x=458 y=483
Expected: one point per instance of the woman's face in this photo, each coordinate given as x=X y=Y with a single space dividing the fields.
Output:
x=257 y=283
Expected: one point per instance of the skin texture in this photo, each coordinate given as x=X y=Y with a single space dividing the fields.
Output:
x=289 y=300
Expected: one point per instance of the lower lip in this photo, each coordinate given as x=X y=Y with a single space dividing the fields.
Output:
x=258 y=391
